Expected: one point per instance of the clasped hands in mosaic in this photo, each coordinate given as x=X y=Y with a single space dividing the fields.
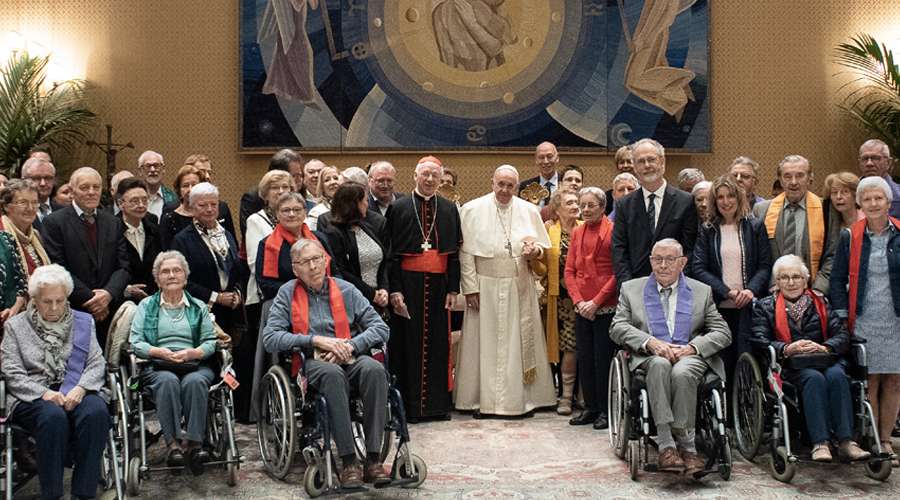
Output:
x=683 y=321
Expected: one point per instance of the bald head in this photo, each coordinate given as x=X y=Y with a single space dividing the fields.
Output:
x=546 y=158
x=86 y=185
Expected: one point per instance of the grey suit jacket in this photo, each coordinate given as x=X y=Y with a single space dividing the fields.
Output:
x=820 y=280
x=709 y=332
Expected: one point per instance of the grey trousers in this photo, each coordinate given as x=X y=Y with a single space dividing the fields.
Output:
x=672 y=389
x=334 y=382
x=176 y=398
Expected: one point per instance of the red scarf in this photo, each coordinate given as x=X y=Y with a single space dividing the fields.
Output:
x=783 y=331
x=300 y=316
x=273 y=249
x=857 y=232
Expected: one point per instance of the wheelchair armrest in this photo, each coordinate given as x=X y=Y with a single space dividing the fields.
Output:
x=225 y=358
x=854 y=340
x=858 y=353
x=2 y=397
x=773 y=359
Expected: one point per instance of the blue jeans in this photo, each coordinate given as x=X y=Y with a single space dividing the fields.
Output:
x=827 y=404
x=62 y=436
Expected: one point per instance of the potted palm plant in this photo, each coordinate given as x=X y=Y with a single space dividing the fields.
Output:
x=33 y=112
x=872 y=95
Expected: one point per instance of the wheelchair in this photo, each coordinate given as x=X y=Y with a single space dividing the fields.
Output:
x=766 y=407
x=220 y=434
x=112 y=467
x=293 y=418
x=631 y=424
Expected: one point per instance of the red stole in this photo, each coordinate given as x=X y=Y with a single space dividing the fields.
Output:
x=273 y=249
x=300 y=315
x=783 y=330
x=857 y=232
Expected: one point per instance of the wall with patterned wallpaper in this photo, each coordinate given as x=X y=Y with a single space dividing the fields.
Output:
x=165 y=76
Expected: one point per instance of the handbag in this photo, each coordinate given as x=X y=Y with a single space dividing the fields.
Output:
x=816 y=361
x=180 y=369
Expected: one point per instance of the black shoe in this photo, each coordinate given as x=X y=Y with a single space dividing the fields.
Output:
x=175 y=458
x=586 y=417
x=601 y=422
x=196 y=458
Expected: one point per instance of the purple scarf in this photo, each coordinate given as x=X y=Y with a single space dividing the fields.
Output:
x=81 y=346
x=656 y=316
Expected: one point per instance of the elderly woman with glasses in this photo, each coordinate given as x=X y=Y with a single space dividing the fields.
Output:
x=55 y=376
x=175 y=332
x=865 y=291
x=19 y=201
x=798 y=323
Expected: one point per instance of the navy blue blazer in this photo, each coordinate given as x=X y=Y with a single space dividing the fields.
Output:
x=204 y=278
x=707 y=262
x=840 y=273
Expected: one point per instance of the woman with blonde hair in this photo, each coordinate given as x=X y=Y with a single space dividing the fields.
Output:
x=839 y=206
x=330 y=179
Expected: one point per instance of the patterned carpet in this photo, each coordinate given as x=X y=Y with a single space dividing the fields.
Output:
x=536 y=458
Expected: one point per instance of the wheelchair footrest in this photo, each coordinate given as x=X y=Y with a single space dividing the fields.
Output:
x=398 y=483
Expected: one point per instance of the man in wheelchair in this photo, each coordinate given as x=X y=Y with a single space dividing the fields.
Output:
x=671 y=326
x=810 y=338
x=335 y=326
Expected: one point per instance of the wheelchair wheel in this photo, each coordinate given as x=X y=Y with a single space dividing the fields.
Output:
x=133 y=481
x=231 y=468
x=634 y=458
x=618 y=401
x=276 y=427
x=747 y=406
x=314 y=481
x=408 y=467
x=781 y=467
x=726 y=464
x=878 y=470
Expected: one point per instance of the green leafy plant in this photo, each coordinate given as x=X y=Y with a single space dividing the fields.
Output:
x=872 y=96
x=33 y=113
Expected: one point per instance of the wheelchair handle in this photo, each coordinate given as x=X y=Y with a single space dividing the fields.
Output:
x=773 y=359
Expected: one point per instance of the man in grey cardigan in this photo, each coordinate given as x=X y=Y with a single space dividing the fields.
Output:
x=336 y=327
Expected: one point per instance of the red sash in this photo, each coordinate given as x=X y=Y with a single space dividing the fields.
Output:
x=783 y=330
x=300 y=316
x=273 y=249
x=429 y=261
x=857 y=232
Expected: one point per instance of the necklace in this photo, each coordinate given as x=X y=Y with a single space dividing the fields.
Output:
x=506 y=231
x=426 y=235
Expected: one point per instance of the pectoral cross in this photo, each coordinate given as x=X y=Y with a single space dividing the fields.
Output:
x=426 y=246
x=508 y=247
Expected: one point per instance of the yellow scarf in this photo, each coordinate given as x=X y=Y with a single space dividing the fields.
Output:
x=815 y=226
x=551 y=263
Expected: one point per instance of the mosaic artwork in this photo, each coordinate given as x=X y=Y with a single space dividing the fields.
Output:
x=456 y=74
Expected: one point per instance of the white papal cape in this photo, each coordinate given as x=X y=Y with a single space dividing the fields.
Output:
x=502 y=367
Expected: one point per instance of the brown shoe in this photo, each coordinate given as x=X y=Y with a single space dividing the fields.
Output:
x=849 y=450
x=692 y=462
x=352 y=476
x=669 y=460
x=376 y=474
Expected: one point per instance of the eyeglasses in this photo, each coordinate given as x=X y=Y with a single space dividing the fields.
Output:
x=787 y=278
x=26 y=204
x=740 y=176
x=649 y=161
x=156 y=166
x=41 y=178
x=312 y=260
x=383 y=182
x=589 y=205
x=292 y=211
x=664 y=260
x=136 y=202
x=875 y=158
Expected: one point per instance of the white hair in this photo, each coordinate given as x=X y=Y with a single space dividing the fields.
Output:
x=745 y=160
x=81 y=172
x=33 y=162
x=876 y=143
x=690 y=174
x=145 y=156
x=660 y=150
x=507 y=168
x=302 y=243
x=793 y=159
x=870 y=183
x=595 y=192
x=50 y=275
x=200 y=190
x=700 y=186
x=789 y=261
x=170 y=255
x=379 y=165
x=420 y=166
x=670 y=243
x=626 y=177
x=355 y=174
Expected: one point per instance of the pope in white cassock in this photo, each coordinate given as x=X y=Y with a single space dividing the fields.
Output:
x=502 y=367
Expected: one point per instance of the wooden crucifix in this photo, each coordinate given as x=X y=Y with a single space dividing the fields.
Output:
x=110 y=149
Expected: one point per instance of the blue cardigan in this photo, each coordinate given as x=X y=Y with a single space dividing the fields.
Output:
x=707 y=262
x=840 y=273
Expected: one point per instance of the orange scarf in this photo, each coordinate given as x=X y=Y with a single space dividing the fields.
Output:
x=273 y=249
x=815 y=227
x=300 y=316
x=857 y=232
x=783 y=330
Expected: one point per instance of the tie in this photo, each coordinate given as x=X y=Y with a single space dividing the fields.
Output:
x=45 y=210
x=87 y=218
x=790 y=230
x=664 y=296
x=549 y=186
x=651 y=211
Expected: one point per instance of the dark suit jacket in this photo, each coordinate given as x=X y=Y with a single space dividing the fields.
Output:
x=107 y=267
x=142 y=269
x=633 y=240
x=204 y=278
x=250 y=204
x=346 y=252
x=375 y=207
x=707 y=264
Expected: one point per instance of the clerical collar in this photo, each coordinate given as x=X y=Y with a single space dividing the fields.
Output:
x=420 y=195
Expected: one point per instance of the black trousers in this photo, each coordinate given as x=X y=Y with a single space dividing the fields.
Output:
x=594 y=352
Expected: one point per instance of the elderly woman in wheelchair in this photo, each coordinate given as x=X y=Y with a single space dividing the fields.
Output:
x=334 y=326
x=55 y=380
x=809 y=343
x=175 y=333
